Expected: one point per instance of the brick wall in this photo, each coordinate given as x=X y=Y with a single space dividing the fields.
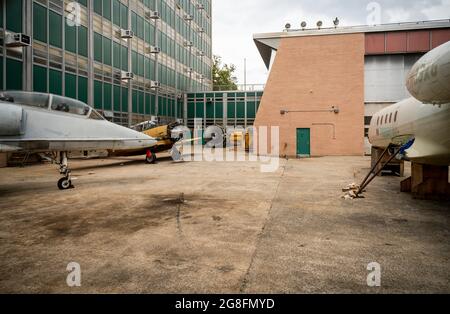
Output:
x=316 y=73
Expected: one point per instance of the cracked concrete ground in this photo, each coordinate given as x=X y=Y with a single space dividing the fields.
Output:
x=217 y=227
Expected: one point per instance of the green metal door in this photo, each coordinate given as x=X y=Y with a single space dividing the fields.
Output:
x=303 y=142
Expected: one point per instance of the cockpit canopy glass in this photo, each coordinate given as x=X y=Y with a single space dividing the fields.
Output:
x=25 y=98
x=69 y=105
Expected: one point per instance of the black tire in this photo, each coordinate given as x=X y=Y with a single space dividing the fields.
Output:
x=64 y=184
x=151 y=160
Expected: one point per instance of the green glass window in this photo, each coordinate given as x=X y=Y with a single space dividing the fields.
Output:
x=13 y=74
x=39 y=79
x=123 y=16
x=70 y=38
x=55 y=82
x=147 y=68
x=134 y=22
x=117 y=98
x=55 y=29
x=116 y=51
x=71 y=85
x=83 y=89
x=231 y=110
x=98 y=94
x=153 y=104
x=14 y=15
x=124 y=99
x=124 y=57
x=98 y=49
x=107 y=51
x=219 y=110
x=82 y=41
x=107 y=9
x=134 y=61
x=141 y=65
x=107 y=96
x=98 y=6
x=147 y=104
x=116 y=12
x=140 y=27
x=199 y=111
x=251 y=110
x=39 y=22
x=240 y=107
x=83 y=2
x=209 y=111
x=141 y=102
x=135 y=101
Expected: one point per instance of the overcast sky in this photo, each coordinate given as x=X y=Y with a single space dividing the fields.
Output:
x=235 y=21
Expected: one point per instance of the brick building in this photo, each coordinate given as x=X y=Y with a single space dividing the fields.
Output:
x=326 y=84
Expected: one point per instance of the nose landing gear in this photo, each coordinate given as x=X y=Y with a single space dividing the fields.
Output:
x=65 y=182
x=150 y=158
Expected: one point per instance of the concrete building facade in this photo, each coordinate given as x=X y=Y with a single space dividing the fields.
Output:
x=130 y=59
x=326 y=84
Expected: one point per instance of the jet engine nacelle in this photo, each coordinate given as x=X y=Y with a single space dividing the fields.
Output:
x=12 y=120
x=429 y=78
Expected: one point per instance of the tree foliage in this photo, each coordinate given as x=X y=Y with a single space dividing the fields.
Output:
x=223 y=75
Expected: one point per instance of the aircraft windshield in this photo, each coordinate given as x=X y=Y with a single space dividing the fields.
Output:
x=69 y=105
x=25 y=98
x=95 y=115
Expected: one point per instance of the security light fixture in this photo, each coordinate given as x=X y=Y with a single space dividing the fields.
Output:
x=303 y=25
x=319 y=24
x=336 y=22
x=287 y=26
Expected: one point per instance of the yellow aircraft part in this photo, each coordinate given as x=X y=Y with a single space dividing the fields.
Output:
x=161 y=132
x=238 y=136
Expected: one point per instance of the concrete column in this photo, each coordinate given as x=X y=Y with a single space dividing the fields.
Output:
x=156 y=62
x=91 y=53
x=225 y=110
x=28 y=51
x=130 y=82
x=185 y=109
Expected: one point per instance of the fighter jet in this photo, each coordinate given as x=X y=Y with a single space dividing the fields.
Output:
x=44 y=123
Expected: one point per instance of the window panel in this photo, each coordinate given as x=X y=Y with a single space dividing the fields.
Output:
x=39 y=22
x=55 y=29
x=82 y=41
x=55 y=82
x=39 y=79
x=83 y=89
x=107 y=97
x=13 y=74
x=70 y=38
x=71 y=86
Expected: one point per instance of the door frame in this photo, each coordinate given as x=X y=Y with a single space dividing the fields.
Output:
x=297 y=146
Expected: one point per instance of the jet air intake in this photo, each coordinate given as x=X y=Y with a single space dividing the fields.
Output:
x=12 y=120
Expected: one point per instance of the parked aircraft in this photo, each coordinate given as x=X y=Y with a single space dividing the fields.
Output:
x=42 y=123
x=424 y=119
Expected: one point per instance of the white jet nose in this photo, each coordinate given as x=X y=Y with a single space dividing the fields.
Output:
x=12 y=120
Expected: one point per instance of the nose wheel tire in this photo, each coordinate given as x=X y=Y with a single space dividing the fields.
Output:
x=65 y=184
x=150 y=158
